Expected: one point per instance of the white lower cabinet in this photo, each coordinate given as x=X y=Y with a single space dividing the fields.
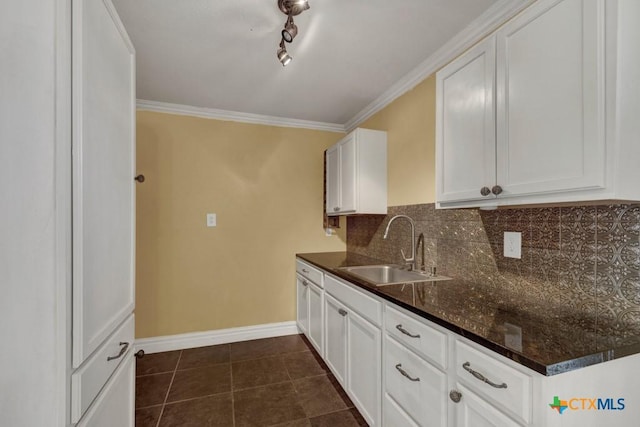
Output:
x=302 y=294
x=393 y=415
x=473 y=411
x=310 y=302
x=353 y=346
x=415 y=385
x=335 y=349
x=506 y=387
x=314 y=331
x=363 y=366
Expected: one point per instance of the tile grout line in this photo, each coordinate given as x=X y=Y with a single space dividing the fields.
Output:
x=166 y=396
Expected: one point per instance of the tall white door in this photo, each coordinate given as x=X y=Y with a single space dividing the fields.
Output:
x=103 y=172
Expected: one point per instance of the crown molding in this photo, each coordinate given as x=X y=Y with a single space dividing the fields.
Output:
x=482 y=26
x=234 y=116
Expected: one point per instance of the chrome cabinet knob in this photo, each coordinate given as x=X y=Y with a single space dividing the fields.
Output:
x=455 y=395
x=336 y=209
x=485 y=191
x=496 y=190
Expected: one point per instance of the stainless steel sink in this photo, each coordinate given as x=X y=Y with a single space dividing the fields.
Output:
x=381 y=275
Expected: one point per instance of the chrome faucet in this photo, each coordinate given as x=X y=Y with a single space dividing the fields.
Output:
x=411 y=261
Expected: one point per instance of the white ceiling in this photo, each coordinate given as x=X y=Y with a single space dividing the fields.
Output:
x=348 y=57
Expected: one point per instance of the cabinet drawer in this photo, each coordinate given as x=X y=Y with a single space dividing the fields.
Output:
x=114 y=406
x=425 y=340
x=418 y=387
x=366 y=306
x=309 y=272
x=515 y=398
x=88 y=380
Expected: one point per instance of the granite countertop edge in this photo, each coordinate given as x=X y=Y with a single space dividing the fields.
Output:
x=572 y=363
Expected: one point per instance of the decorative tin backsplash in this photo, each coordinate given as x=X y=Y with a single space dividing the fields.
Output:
x=583 y=260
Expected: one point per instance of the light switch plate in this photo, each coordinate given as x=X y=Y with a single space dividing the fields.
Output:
x=513 y=244
x=211 y=220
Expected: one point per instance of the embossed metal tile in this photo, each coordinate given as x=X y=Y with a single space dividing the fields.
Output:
x=586 y=256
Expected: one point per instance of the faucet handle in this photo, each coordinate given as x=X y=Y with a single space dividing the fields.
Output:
x=404 y=257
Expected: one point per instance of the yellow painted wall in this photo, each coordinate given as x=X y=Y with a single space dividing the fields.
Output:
x=410 y=122
x=265 y=185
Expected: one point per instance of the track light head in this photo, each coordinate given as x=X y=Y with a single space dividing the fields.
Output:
x=283 y=55
x=290 y=30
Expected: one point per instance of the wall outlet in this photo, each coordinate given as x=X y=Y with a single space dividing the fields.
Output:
x=513 y=244
x=211 y=220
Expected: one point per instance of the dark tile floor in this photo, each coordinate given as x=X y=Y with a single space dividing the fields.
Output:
x=269 y=382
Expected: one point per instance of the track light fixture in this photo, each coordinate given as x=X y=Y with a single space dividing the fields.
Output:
x=290 y=8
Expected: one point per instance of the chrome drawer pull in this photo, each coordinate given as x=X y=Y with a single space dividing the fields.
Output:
x=336 y=209
x=305 y=283
x=481 y=377
x=404 y=331
x=404 y=373
x=123 y=350
x=342 y=312
x=304 y=270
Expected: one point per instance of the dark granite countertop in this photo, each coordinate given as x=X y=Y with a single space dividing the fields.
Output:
x=550 y=343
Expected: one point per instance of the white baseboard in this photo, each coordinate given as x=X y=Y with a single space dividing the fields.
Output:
x=220 y=336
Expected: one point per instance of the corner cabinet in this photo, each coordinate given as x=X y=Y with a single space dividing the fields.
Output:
x=356 y=174
x=103 y=205
x=529 y=115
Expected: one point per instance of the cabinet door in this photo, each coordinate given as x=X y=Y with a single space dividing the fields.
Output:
x=465 y=129
x=364 y=367
x=348 y=173
x=332 y=158
x=103 y=171
x=550 y=107
x=472 y=411
x=315 y=317
x=336 y=338
x=302 y=292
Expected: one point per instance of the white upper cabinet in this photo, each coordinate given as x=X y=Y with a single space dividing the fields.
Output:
x=530 y=114
x=550 y=109
x=356 y=177
x=465 y=135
